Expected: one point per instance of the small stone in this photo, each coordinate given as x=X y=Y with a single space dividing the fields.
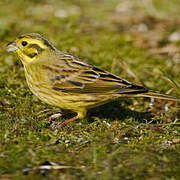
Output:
x=175 y=36
x=142 y=28
x=176 y=140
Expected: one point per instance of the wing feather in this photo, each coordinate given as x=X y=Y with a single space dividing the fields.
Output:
x=73 y=76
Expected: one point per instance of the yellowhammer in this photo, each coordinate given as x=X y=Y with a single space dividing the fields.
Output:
x=64 y=81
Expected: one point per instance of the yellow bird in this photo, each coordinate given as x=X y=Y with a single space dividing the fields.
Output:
x=62 y=80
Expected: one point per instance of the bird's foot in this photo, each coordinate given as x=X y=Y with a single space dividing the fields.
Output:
x=53 y=123
x=59 y=125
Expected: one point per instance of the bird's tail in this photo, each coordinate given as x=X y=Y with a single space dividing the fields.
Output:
x=155 y=94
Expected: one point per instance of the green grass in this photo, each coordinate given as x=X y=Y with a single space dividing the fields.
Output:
x=125 y=139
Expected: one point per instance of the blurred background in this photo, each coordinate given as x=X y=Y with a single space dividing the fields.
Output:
x=142 y=33
x=135 y=39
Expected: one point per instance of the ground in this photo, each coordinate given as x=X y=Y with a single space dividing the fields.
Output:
x=134 y=138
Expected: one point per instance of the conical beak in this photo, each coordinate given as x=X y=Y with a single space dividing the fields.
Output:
x=12 y=46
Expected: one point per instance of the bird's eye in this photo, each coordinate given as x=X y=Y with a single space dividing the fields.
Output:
x=24 y=43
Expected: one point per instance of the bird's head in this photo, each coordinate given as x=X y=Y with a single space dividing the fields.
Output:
x=29 y=47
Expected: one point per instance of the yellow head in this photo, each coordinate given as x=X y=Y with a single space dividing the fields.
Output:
x=30 y=46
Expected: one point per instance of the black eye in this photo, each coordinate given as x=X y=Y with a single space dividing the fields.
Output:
x=24 y=43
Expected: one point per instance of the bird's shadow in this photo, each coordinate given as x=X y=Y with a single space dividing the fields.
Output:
x=115 y=111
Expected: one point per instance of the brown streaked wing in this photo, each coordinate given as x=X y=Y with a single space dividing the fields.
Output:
x=78 y=77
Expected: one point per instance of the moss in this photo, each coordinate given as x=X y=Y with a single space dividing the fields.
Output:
x=125 y=139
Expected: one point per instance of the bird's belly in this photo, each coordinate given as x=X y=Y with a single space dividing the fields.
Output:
x=71 y=101
x=66 y=100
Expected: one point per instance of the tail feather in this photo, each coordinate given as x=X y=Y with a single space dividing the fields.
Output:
x=155 y=94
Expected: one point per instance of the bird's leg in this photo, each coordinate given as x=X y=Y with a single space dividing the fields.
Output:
x=81 y=114
x=67 y=122
x=59 y=125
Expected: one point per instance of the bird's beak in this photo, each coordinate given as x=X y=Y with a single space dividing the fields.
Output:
x=12 y=46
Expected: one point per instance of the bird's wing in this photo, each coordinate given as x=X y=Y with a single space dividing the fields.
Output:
x=73 y=76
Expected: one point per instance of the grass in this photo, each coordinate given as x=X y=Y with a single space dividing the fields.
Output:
x=125 y=139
